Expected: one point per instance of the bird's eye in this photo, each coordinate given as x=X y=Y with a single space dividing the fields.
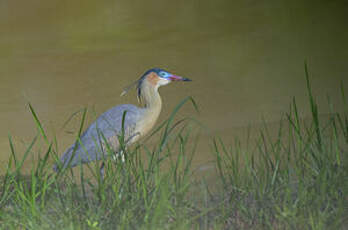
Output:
x=163 y=74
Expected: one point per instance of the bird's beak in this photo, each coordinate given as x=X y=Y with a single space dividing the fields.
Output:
x=178 y=78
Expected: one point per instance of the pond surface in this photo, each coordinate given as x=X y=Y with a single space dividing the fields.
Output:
x=246 y=60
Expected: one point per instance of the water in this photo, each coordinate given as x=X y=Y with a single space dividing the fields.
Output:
x=245 y=58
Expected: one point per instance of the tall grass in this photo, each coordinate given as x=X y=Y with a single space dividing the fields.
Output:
x=296 y=179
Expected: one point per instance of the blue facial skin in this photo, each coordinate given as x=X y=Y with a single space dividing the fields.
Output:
x=165 y=75
x=161 y=73
x=171 y=77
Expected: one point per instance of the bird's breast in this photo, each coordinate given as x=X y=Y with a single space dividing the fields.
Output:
x=146 y=123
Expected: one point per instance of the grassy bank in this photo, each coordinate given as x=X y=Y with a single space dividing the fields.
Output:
x=294 y=180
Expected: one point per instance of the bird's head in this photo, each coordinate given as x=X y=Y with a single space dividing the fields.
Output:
x=158 y=77
x=155 y=78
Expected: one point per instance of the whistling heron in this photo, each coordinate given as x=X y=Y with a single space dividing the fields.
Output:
x=136 y=121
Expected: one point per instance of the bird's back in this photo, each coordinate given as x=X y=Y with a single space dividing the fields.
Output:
x=107 y=126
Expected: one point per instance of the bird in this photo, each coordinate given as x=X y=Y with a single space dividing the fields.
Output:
x=131 y=121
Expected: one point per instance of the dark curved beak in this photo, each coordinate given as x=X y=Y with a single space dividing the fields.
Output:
x=178 y=78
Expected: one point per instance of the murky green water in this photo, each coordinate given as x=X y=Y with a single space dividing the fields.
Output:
x=245 y=58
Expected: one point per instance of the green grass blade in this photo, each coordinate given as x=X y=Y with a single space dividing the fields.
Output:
x=38 y=123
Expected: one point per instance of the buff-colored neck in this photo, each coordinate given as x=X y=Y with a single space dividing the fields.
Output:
x=150 y=97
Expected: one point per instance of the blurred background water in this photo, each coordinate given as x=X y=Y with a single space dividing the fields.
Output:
x=246 y=59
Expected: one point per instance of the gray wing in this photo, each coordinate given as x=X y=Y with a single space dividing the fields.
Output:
x=106 y=127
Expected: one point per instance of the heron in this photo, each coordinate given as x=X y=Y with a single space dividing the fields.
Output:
x=129 y=120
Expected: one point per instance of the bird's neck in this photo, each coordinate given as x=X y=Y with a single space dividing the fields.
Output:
x=151 y=98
